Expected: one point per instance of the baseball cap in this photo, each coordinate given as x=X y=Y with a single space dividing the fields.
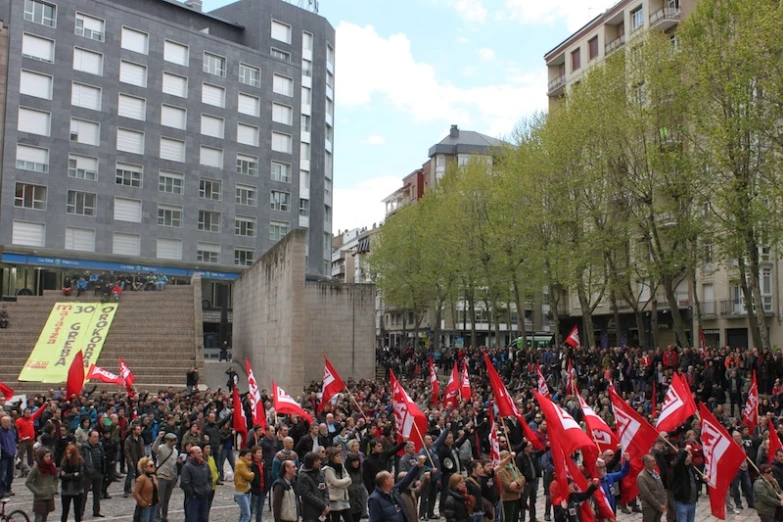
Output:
x=170 y=436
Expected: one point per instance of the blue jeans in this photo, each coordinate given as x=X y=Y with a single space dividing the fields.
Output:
x=742 y=479
x=6 y=475
x=685 y=512
x=243 y=499
x=226 y=454
x=257 y=506
x=197 y=510
x=148 y=514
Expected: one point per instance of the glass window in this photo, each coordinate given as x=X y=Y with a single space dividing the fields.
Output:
x=134 y=40
x=80 y=203
x=304 y=207
x=247 y=165
x=82 y=167
x=132 y=107
x=175 y=53
x=130 y=141
x=208 y=253
x=244 y=256
x=169 y=216
x=283 y=85
x=171 y=182
x=307 y=96
x=281 y=32
x=246 y=195
x=208 y=221
x=245 y=226
x=277 y=230
x=214 y=64
x=282 y=142
x=247 y=134
x=128 y=175
x=213 y=95
x=249 y=105
x=40 y=13
x=133 y=74
x=280 y=55
x=212 y=126
x=249 y=75
x=30 y=196
x=87 y=61
x=211 y=157
x=210 y=189
x=306 y=123
x=89 y=27
x=282 y=114
x=175 y=117
x=280 y=200
x=175 y=85
x=172 y=150
x=281 y=172
x=34 y=122
x=32 y=158
x=38 y=48
x=307 y=68
x=81 y=239
x=36 y=84
x=307 y=41
x=637 y=18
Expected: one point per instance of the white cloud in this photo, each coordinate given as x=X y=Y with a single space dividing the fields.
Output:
x=471 y=10
x=575 y=13
x=371 y=66
x=361 y=205
x=373 y=140
x=486 y=54
x=462 y=40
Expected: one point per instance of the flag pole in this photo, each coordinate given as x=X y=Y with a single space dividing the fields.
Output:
x=427 y=451
x=675 y=448
x=508 y=442
x=357 y=404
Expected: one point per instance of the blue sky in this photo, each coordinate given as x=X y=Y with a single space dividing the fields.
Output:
x=407 y=69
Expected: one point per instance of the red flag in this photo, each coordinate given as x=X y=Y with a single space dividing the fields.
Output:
x=751 y=415
x=677 y=407
x=99 y=374
x=75 y=382
x=494 y=444
x=573 y=338
x=571 y=380
x=7 y=392
x=506 y=406
x=408 y=418
x=464 y=387
x=435 y=384
x=240 y=421
x=636 y=436
x=560 y=462
x=127 y=377
x=722 y=458
x=285 y=404
x=543 y=389
x=774 y=446
x=256 y=404
x=452 y=389
x=602 y=434
x=332 y=385
x=561 y=425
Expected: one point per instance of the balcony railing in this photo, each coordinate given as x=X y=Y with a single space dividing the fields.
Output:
x=556 y=83
x=708 y=308
x=666 y=13
x=614 y=44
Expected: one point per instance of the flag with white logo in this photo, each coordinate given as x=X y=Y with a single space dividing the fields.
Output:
x=677 y=406
x=284 y=403
x=722 y=458
x=332 y=385
x=256 y=404
x=406 y=414
x=602 y=434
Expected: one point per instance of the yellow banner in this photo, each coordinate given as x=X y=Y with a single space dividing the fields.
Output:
x=71 y=327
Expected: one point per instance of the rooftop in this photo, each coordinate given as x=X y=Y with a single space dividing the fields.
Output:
x=592 y=24
x=464 y=141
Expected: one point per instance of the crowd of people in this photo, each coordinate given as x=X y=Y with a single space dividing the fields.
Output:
x=350 y=464
x=111 y=285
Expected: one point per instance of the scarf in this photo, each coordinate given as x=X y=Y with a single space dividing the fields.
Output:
x=47 y=469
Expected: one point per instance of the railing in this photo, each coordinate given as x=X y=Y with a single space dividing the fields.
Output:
x=665 y=13
x=614 y=44
x=708 y=308
x=557 y=82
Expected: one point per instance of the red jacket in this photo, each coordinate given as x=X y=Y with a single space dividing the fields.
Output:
x=25 y=428
x=670 y=359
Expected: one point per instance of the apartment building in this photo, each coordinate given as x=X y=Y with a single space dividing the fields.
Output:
x=149 y=135
x=721 y=301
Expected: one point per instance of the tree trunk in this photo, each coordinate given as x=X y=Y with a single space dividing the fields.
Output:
x=654 y=320
x=521 y=328
x=696 y=335
x=404 y=343
x=674 y=309
x=587 y=316
x=496 y=313
x=554 y=308
x=416 y=324
x=753 y=324
x=616 y=313
x=472 y=309
x=755 y=290
x=639 y=314
x=436 y=326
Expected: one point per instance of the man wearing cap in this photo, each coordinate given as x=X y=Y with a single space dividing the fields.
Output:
x=766 y=493
x=133 y=450
x=167 y=471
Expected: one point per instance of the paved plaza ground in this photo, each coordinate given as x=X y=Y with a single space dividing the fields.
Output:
x=225 y=510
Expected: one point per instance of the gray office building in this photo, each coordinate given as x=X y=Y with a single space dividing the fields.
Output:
x=149 y=134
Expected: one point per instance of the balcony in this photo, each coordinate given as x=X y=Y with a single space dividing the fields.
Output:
x=708 y=309
x=665 y=18
x=556 y=85
x=614 y=45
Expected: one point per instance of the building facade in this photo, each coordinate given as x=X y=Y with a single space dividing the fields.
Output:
x=147 y=134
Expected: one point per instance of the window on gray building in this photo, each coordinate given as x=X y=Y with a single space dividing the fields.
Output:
x=213 y=95
x=40 y=13
x=307 y=41
x=176 y=53
x=212 y=126
x=169 y=216
x=87 y=132
x=208 y=221
x=90 y=27
x=210 y=189
x=82 y=167
x=214 y=64
x=247 y=165
x=131 y=107
x=246 y=195
x=172 y=150
x=250 y=105
x=171 y=182
x=244 y=256
x=282 y=142
x=86 y=96
x=30 y=196
x=80 y=203
x=169 y=248
x=307 y=68
x=245 y=226
x=87 y=61
x=32 y=158
x=283 y=85
x=211 y=157
x=126 y=244
x=175 y=117
x=38 y=48
x=282 y=114
x=128 y=175
x=80 y=239
x=281 y=32
x=130 y=141
x=34 y=121
x=207 y=253
x=249 y=75
x=247 y=134
x=304 y=207
x=281 y=172
x=280 y=55
x=136 y=41
x=36 y=84
x=280 y=200
x=175 y=85
x=133 y=74
x=278 y=230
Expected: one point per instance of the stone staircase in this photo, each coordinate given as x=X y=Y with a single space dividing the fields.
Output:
x=158 y=335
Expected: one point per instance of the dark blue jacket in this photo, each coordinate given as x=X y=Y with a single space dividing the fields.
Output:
x=608 y=482
x=432 y=456
x=391 y=508
x=8 y=443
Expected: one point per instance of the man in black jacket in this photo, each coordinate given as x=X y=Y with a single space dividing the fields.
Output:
x=196 y=483
x=377 y=461
x=312 y=488
x=684 y=485
x=94 y=469
x=312 y=442
x=531 y=469
x=212 y=430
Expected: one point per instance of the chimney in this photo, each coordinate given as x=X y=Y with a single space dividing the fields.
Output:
x=454 y=132
x=194 y=4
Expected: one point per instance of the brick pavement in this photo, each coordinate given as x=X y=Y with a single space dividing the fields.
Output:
x=225 y=510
